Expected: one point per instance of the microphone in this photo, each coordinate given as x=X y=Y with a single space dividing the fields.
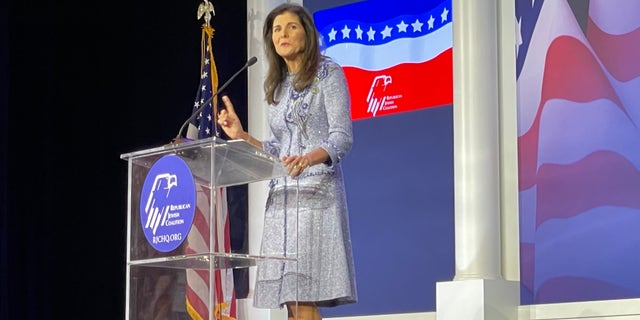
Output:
x=249 y=63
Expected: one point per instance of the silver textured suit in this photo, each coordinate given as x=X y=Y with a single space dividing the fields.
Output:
x=307 y=218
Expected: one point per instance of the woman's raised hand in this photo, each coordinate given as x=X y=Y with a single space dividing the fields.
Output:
x=229 y=121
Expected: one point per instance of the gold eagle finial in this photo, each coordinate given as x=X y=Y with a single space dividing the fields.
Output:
x=206 y=9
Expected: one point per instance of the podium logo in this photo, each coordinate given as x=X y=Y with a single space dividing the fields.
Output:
x=167 y=203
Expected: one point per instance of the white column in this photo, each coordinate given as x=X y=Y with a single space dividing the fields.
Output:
x=476 y=147
x=509 y=233
x=478 y=291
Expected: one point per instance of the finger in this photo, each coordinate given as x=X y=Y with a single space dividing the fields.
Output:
x=288 y=161
x=228 y=104
x=222 y=119
x=295 y=170
x=290 y=169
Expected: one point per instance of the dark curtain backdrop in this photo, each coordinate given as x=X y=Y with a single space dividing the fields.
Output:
x=86 y=82
x=4 y=81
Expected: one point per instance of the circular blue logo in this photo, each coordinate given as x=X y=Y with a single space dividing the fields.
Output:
x=167 y=203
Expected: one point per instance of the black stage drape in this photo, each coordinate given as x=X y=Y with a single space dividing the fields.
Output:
x=86 y=81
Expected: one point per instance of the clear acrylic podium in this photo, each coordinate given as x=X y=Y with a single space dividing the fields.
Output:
x=157 y=273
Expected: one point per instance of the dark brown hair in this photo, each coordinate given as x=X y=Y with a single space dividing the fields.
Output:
x=311 y=55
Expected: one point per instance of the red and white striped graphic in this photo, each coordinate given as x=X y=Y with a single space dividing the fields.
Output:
x=204 y=235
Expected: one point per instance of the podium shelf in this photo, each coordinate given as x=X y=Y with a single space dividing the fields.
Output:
x=207 y=261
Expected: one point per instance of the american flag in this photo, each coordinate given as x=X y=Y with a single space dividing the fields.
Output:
x=578 y=80
x=395 y=60
x=201 y=125
x=206 y=235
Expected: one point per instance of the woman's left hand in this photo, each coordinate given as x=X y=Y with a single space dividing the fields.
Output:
x=295 y=164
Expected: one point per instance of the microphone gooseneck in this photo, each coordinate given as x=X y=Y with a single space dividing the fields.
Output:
x=249 y=63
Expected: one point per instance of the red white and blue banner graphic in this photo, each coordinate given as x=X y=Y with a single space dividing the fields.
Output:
x=396 y=59
x=578 y=80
